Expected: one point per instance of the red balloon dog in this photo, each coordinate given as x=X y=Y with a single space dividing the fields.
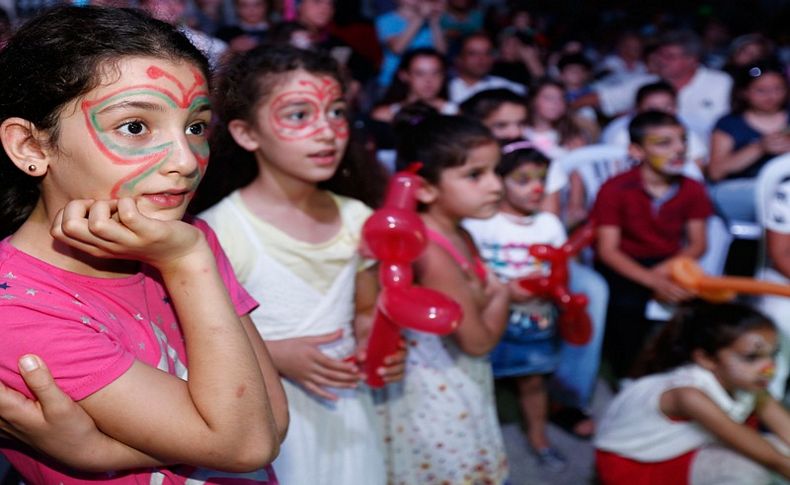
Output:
x=574 y=323
x=395 y=235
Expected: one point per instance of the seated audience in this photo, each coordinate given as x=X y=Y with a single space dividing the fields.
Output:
x=421 y=77
x=473 y=70
x=747 y=138
x=644 y=217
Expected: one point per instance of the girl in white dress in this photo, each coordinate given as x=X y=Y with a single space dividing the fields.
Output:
x=293 y=245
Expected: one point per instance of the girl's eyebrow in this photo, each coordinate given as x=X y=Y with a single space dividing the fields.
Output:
x=123 y=105
x=297 y=103
x=203 y=106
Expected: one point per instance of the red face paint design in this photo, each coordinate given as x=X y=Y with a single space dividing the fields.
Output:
x=306 y=112
x=149 y=158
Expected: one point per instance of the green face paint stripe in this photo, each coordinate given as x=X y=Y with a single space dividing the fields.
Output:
x=134 y=152
x=202 y=149
x=199 y=102
x=135 y=180
x=104 y=136
x=153 y=92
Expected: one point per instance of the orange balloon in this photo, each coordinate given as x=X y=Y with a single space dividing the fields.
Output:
x=688 y=274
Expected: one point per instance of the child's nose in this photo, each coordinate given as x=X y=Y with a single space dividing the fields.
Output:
x=184 y=158
x=324 y=127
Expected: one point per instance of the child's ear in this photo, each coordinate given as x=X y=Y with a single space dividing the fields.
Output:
x=702 y=359
x=636 y=152
x=25 y=146
x=244 y=135
x=427 y=193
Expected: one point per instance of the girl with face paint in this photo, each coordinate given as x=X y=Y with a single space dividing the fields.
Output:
x=684 y=420
x=103 y=125
x=293 y=242
x=529 y=350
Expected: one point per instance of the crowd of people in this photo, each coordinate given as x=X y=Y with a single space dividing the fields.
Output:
x=170 y=316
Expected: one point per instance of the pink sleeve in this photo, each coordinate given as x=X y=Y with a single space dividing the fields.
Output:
x=242 y=301
x=81 y=359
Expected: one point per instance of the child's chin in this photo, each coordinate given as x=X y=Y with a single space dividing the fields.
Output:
x=674 y=168
x=485 y=213
x=165 y=215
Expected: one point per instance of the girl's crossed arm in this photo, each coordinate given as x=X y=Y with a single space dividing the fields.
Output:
x=221 y=417
x=58 y=427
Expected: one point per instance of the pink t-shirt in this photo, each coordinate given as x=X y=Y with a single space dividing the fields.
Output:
x=89 y=331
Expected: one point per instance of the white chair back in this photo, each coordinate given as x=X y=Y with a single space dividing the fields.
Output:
x=765 y=189
x=774 y=172
x=596 y=164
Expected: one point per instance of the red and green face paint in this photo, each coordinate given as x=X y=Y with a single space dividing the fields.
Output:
x=299 y=114
x=149 y=158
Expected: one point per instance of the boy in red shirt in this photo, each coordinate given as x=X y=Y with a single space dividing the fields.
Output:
x=644 y=217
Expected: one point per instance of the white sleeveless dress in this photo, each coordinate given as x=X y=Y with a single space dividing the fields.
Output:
x=327 y=442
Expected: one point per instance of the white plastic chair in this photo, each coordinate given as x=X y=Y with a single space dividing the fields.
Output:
x=767 y=182
x=596 y=164
x=766 y=186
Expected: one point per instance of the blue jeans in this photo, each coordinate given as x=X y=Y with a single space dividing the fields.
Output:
x=574 y=380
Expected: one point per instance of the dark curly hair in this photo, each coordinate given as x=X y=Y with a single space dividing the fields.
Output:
x=440 y=142
x=698 y=325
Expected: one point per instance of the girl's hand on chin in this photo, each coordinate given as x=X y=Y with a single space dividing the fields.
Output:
x=117 y=229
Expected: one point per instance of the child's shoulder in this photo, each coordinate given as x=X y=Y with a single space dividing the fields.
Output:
x=543 y=227
x=628 y=178
x=350 y=204
x=353 y=212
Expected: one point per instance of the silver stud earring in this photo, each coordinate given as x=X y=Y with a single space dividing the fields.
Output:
x=32 y=168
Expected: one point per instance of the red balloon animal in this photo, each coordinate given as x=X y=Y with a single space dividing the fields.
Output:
x=395 y=235
x=574 y=323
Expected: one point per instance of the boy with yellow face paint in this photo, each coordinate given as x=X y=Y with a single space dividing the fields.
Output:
x=644 y=217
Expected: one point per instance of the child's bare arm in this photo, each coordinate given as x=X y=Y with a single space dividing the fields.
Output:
x=485 y=314
x=61 y=429
x=274 y=387
x=365 y=294
x=778 y=247
x=58 y=427
x=608 y=249
x=696 y=239
x=775 y=417
x=221 y=417
x=692 y=403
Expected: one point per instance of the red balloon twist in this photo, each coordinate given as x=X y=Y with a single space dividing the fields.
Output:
x=396 y=236
x=574 y=322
